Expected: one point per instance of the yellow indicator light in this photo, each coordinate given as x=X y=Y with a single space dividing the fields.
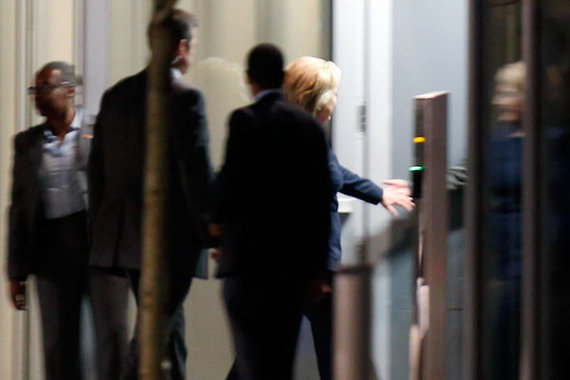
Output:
x=419 y=139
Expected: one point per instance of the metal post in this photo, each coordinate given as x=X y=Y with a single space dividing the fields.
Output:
x=352 y=359
x=428 y=345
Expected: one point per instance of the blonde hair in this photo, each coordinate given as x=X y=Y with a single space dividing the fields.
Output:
x=311 y=82
x=512 y=74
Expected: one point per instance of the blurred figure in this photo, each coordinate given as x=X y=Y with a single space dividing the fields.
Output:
x=116 y=175
x=504 y=168
x=48 y=231
x=273 y=202
x=312 y=83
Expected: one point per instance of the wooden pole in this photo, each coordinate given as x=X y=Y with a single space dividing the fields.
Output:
x=156 y=182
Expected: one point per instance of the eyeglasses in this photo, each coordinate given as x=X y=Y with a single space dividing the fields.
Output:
x=46 y=88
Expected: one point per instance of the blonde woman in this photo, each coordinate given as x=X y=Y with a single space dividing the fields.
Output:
x=312 y=83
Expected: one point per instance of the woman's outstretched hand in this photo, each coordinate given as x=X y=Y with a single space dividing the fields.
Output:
x=397 y=193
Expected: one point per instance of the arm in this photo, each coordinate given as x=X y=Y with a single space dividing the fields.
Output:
x=361 y=188
x=17 y=235
x=198 y=168
x=396 y=194
x=226 y=185
x=96 y=163
x=319 y=196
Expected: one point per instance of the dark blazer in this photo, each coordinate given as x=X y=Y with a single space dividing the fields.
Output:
x=274 y=192
x=116 y=175
x=349 y=183
x=26 y=210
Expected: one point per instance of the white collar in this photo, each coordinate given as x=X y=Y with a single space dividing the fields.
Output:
x=175 y=72
x=77 y=119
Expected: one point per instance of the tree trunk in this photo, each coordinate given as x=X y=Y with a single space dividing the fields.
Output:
x=156 y=183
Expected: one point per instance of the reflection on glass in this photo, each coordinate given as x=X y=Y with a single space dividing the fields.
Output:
x=228 y=29
x=504 y=262
x=554 y=259
x=504 y=88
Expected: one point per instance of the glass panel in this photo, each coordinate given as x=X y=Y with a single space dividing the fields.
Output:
x=554 y=274
x=502 y=99
x=228 y=29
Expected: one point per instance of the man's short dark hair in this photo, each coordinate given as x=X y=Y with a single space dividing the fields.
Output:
x=265 y=66
x=181 y=24
x=67 y=71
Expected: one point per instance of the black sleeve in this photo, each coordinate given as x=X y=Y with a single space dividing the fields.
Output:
x=197 y=166
x=226 y=187
x=96 y=164
x=17 y=235
x=319 y=192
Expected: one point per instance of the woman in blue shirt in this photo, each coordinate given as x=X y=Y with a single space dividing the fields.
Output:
x=312 y=83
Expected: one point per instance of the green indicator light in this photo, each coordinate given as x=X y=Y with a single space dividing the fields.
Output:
x=416 y=168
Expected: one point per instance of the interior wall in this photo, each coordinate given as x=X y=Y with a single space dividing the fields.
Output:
x=227 y=30
x=347 y=140
x=390 y=51
x=32 y=33
x=430 y=53
x=8 y=126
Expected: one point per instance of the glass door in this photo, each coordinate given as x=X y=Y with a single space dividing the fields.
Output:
x=518 y=212
x=549 y=302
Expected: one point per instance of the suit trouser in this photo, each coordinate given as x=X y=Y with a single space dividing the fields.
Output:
x=265 y=317
x=174 y=332
x=319 y=314
x=63 y=279
x=109 y=291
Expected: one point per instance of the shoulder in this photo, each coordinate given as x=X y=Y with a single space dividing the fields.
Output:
x=28 y=136
x=301 y=117
x=186 y=92
x=247 y=115
x=131 y=83
x=291 y=111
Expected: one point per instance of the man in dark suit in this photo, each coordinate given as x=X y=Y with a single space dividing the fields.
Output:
x=273 y=199
x=48 y=231
x=116 y=172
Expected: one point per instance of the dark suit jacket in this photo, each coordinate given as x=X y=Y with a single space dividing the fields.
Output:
x=116 y=175
x=26 y=209
x=274 y=192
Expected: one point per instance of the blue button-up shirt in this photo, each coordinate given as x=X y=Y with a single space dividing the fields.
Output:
x=61 y=191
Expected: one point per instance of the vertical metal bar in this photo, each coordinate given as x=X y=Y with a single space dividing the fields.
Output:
x=432 y=305
x=364 y=249
x=78 y=38
x=531 y=235
x=473 y=201
x=21 y=319
x=353 y=283
x=351 y=324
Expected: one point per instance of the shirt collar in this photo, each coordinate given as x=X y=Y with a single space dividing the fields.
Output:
x=176 y=73
x=75 y=124
x=77 y=119
x=263 y=93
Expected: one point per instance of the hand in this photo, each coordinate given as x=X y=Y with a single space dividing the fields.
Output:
x=18 y=293
x=319 y=289
x=398 y=193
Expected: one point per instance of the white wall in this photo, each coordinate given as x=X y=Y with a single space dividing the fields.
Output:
x=8 y=117
x=32 y=33
x=390 y=51
x=228 y=29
